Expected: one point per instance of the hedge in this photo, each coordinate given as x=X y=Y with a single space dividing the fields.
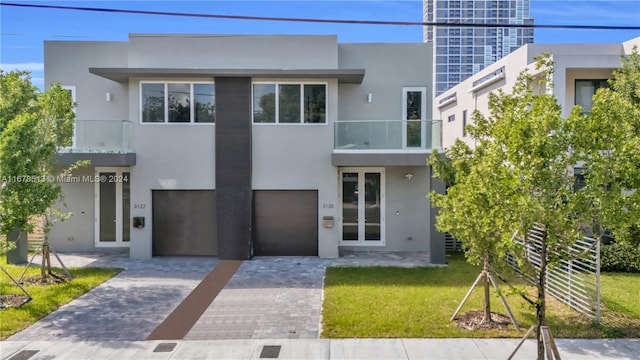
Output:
x=620 y=257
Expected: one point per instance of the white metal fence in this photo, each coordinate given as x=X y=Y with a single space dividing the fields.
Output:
x=574 y=282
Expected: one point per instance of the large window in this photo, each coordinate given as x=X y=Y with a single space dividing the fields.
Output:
x=172 y=102
x=585 y=89
x=286 y=103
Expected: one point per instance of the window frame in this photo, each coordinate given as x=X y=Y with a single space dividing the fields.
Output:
x=301 y=85
x=166 y=83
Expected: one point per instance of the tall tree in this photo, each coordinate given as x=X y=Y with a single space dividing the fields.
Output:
x=607 y=146
x=468 y=209
x=33 y=126
x=523 y=162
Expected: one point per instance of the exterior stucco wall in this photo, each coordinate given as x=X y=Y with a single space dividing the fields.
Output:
x=68 y=62
x=233 y=51
x=389 y=68
x=78 y=232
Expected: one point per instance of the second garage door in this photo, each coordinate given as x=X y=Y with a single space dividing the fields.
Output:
x=286 y=222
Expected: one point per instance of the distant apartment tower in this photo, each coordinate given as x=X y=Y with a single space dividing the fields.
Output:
x=460 y=52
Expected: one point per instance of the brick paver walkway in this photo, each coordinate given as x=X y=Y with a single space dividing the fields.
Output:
x=126 y=307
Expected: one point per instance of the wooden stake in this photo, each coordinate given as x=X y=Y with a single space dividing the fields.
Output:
x=467 y=296
x=521 y=342
x=504 y=302
x=17 y=283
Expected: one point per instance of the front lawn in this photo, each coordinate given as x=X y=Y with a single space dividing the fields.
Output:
x=46 y=298
x=387 y=302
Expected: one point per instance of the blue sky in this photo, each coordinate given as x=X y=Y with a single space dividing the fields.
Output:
x=23 y=30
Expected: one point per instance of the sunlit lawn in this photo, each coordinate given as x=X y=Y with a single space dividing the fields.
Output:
x=418 y=303
x=46 y=298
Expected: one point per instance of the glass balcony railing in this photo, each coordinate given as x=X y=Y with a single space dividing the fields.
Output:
x=388 y=135
x=101 y=135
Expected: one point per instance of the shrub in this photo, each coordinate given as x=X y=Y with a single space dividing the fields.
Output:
x=620 y=257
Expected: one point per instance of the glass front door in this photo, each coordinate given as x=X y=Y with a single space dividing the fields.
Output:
x=112 y=207
x=362 y=206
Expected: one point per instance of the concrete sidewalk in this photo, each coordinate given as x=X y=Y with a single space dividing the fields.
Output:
x=316 y=349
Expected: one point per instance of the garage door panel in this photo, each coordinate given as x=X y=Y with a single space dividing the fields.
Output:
x=184 y=223
x=286 y=223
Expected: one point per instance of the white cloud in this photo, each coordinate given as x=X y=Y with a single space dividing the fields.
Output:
x=32 y=66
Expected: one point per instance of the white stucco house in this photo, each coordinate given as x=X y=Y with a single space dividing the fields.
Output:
x=240 y=145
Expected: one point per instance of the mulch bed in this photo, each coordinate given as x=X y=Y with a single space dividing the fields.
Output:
x=472 y=320
x=12 y=300
x=49 y=280
x=16 y=300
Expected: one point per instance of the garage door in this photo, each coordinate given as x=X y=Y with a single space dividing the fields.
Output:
x=184 y=223
x=286 y=223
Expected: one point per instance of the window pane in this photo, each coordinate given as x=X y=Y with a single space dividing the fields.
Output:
x=204 y=98
x=414 y=105
x=152 y=102
x=264 y=103
x=289 y=103
x=584 y=94
x=179 y=102
x=126 y=208
x=315 y=100
x=350 y=206
x=107 y=207
x=372 y=203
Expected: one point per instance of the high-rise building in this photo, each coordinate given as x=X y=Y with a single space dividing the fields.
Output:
x=460 y=52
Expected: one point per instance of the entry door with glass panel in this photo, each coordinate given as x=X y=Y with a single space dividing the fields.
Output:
x=112 y=207
x=362 y=206
x=414 y=103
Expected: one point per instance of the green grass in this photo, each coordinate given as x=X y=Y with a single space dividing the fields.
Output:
x=46 y=298
x=418 y=303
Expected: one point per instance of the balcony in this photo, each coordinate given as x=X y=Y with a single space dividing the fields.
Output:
x=103 y=142
x=385 y=142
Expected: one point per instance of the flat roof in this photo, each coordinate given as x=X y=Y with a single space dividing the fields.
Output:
x=346 y=76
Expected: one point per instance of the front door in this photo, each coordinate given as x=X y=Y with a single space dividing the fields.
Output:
x=414 y=103
x=362 y=206
x=112 y=207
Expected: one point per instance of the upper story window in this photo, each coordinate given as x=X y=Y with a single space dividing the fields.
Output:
x=289 y=103
x=585 y=89
x=177 y=102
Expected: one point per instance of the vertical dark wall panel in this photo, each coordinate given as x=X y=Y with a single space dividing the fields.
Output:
x=233 y=167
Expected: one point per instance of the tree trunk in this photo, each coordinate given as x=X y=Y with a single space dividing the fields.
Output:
x=541 y=305
x=487 y=295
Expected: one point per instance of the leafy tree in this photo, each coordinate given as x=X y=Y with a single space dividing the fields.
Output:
x=607 y=145
x=33 y=125
x=518 y=178
x=468 y=210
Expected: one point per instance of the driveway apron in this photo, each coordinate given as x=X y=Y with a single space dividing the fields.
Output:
x=267 y=298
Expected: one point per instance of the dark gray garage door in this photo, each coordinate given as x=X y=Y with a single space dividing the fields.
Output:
x=286 y=223
x=184 y=223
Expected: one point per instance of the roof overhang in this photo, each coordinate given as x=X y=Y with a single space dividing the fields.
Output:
x=345 y=76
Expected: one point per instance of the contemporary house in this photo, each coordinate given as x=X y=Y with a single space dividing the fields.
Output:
x=242 y=145
x=579 y=70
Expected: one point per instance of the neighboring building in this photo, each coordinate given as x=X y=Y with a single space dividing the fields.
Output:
x=580 y=69
x=236 y=146
x=460 y=52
